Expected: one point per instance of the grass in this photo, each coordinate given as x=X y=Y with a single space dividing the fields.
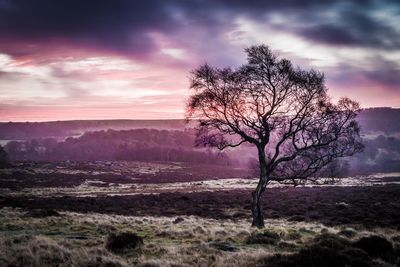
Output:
x=27 y=250
x=195 y=223
x=79 y=239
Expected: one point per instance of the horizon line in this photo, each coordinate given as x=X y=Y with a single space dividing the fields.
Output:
x=133 y=119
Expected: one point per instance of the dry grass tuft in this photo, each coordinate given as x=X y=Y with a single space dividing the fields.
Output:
x=159 y=263
x=78 y=239
x=42 y=251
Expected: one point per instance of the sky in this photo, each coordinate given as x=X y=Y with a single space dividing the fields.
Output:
x=107 y=59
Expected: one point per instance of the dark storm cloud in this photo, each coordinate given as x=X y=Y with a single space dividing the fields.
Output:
x=118 y=24
x=353 y=23
x=329 y=34
x=386 y=73
x=123 y=25
x=354 y=28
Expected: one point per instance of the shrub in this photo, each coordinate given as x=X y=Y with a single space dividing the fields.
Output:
x=28 y=250
x=266 y=237
x=326 y=251
x=42 y=213
x=375 y=246
x=332 y=257
x=331 y=241
x=123 y=241
x=347 y=233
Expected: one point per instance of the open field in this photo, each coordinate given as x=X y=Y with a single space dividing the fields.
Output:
x=76 y=238
x=191 y=215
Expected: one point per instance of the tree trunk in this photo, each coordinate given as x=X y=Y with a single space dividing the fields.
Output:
x=258 y=218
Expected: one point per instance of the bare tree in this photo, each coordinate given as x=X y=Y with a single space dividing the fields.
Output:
x=282 y=110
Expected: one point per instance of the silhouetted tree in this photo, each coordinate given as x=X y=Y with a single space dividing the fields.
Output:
x=282 y=110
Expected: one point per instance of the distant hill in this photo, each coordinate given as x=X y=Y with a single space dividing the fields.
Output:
x=63 y=129
x=386 y=120
x=173 y=140
x=372 y=120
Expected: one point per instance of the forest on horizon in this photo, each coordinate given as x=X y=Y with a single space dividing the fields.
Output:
x=173 y=141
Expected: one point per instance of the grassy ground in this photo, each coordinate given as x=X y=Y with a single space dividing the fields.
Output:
x=65 y=215
x=36 y=239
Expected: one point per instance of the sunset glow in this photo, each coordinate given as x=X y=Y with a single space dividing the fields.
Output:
x=63 y=60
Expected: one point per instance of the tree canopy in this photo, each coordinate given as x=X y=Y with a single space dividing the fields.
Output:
x=283 y=110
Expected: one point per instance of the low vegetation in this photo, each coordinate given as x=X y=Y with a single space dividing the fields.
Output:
x=67 y=239
x=178 y=214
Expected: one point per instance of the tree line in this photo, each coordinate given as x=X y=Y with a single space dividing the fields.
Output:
x=134 y=145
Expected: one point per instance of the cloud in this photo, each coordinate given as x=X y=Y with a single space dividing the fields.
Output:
x=354 y=28
x=116 y=25
x=134 y=28
x=84 y=53
x=385 y=73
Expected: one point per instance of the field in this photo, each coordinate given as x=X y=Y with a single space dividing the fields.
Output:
x=181 y=214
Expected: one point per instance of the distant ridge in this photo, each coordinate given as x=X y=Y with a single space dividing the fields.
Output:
x=62 y=129
x=381 y=119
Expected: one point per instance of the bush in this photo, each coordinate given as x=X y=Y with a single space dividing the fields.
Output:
x=123 y=241
x=331 y=241
x=266 y=237
x=332 y=257
x=375 y=246
x=28 y=250
x=42 y=213
x=326 y=251
x=347 y=233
